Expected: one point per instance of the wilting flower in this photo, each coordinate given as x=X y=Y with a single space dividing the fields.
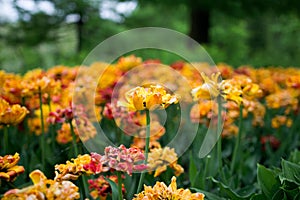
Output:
x=160 y=158
x=120 y=159
x=212 y=88
x=161 y=191
x=43 y=189
x=11 y=114
x=148 y=97
x=101 y=188
x=73 y=169
x=9 y=169
x=209 y=89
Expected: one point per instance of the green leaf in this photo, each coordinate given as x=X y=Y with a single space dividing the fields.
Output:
x=279 y=195
x=291 y=192
x=295 y=157
x=192 y=170
x=35 y=162
x=114 y=189
x=230 y=193
x=291 y=171
x=297 y=196
x=208 y=195
x=258 y=197
x=267 y=180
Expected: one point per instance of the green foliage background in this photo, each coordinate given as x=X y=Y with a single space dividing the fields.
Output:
x=262 y=39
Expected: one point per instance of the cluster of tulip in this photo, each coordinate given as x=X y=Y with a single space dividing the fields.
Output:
x=258 y=108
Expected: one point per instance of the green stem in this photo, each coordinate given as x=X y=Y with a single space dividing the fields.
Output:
x=206 y=169
x=85 y=186
x=76 y=152
x=146 y=149
x=119 y=134
x=219 y=143
x=120 y=185
x=42 y=138
x=5 y=145
x=52 y=128
x=49 y=104
x=74 y=139
x=237 y=143
x=52 y=132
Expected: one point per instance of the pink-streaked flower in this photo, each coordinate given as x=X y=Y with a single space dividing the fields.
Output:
x=119 y=158
x=65 y=115
x=95 y=165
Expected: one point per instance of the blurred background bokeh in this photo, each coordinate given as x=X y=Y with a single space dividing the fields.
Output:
x=45 y=33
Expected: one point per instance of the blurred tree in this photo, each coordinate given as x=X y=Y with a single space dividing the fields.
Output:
x=237 y=32
x=200 y=11
x=36 y=26
x=84 y=14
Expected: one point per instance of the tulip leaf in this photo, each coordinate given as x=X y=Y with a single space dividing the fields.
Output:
x=267 y=180
x=192 y=170
x=230 y=193
x=291 y=172
x=114 y=189
x=295 y=157
x=258 y=197
x=208 y=195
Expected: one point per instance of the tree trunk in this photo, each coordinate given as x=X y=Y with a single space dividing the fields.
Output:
x=79 y=26
x=199 y=25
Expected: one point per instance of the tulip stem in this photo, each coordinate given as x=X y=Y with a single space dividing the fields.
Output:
x=219 y=143
x=146 y=149
x=76 y=152
x=42 y=138
x=5 y=145
x=237 y=143
x=74 y=139
x=206 y=169
x=85 y=186
x=120 y=185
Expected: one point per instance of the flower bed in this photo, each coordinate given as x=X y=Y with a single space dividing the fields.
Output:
x=51 y=146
